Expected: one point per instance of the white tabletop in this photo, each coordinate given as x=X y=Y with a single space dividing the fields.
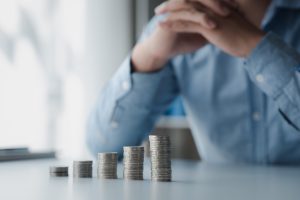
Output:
x=29 y=180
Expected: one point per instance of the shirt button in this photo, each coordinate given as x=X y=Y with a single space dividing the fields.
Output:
x=114 y=124
x=260 y=78
x=125 y=85
x=256 y=116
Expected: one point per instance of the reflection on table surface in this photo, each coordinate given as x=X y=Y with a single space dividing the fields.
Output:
x=191 y=180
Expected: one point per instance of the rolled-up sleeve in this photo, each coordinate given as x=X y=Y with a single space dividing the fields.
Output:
x=129 y=105
x=273 y=66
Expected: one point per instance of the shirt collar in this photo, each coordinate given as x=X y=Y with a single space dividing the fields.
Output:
x=291 y=4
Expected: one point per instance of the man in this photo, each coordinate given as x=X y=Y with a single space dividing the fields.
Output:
x=235 y=65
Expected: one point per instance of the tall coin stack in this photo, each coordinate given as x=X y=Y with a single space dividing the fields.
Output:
x=160 y=156
x=107 y=165
x=83 y=169
x=133 y=162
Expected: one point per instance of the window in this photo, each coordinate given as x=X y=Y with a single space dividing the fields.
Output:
x=55 y=56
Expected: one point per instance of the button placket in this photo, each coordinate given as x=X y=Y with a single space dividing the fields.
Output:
x=256 y=116
x=125 y=85
x=114 y=124
x=260 y=78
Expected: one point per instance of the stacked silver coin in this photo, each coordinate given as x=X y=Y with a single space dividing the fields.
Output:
x=160 y=156
x=59 y=171
x=83 y=169
x=107 y=165
x=133 y=162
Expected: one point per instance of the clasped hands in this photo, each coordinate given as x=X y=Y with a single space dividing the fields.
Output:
x=191 y=24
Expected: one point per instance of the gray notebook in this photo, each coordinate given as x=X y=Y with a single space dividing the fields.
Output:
x=23 y=153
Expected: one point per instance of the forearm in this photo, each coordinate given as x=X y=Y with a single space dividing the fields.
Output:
x=145 y=59
x=128 y=108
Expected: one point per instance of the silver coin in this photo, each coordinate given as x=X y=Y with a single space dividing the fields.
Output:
x=59 y=174
x=82 y=162
x=107 y=165
x=133 y=162
x=108 y=156
x=160 y=158
x=133 y=148
x=58 y=169
x=83 y=169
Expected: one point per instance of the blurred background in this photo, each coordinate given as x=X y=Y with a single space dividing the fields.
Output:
x=55 y=56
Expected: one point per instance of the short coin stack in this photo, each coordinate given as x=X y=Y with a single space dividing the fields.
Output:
x=160 y=158
x=83 y=169
x=133 y=162
x=107 y=165
x=59 y=171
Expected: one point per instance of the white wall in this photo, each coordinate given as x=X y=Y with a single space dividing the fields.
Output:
x=108 y=33
x=108 y=41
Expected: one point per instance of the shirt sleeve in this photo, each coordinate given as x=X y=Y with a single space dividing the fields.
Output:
x=273 y=66
x=129 y=106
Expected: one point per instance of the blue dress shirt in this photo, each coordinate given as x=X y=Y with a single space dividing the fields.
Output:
x=240 y=110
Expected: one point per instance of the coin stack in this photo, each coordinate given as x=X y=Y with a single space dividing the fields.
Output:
x=107 y=165
x=83 y=169
x=133 y=162
x=160 y=156
x=60 y=171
